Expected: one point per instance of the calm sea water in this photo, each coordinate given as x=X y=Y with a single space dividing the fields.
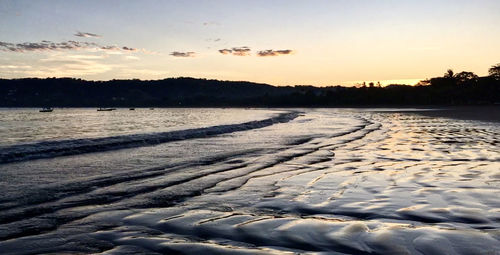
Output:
x=249 y=181
x=28 y=125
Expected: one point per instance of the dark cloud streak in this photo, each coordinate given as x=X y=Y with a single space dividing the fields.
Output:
x=236 y=51
x=125 y=48
x=210 y=23
x=273 y=53
x=188 y=54
x=226 y=51
x=56 y=46
x=245 y=51
x=80 y=34
x=241 y=51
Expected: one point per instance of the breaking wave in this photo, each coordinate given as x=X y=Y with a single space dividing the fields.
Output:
x=50 y=149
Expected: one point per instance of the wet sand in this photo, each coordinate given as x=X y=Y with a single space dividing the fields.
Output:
x=331 y=181
x=482 y=113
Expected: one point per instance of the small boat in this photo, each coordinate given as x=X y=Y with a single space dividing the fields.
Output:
x=46 y=109
x=105 y=109
x=132 y=109
x=151 y=108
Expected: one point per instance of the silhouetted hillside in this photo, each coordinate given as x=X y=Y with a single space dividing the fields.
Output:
x=460 y=89
x=167 y=92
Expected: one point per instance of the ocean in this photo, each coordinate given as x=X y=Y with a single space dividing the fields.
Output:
x=247 y=181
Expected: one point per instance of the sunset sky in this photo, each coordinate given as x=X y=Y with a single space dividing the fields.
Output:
x=286 y=42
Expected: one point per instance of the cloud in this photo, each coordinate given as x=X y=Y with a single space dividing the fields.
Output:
x=132 y=58
x=213 y=40
x=112 y=48
x=86 y=56
x=225 y=51
x=143 y=73
x=149 y=52
x=125 y=48
x=183 y=54
x=44 y=46
x=116 y=48
x=236 y=51
x=59 y=65
x=80 y=34
x=58 y=46
x=15 y=67
x=273 y=53
x=241 y=51
x=245 y=51
x=210 y=23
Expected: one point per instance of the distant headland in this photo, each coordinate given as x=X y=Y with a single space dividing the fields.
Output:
x=464 y=88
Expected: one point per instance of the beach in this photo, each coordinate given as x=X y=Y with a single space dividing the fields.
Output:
x=271 y=181
x=482 y=113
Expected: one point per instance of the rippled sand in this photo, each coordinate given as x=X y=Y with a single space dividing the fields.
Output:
x=328 y=181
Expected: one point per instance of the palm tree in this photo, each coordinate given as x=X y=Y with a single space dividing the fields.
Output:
x=449 y=74
x=494 y=71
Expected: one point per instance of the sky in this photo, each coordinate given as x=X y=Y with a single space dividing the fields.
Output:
x=279 y=42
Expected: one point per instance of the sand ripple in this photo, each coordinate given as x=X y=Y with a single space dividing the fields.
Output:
x=330 y=181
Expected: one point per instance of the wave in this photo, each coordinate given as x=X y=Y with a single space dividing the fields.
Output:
x=50 y=149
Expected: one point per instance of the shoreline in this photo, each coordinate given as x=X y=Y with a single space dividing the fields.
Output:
x=489 y=113
x=479 y=113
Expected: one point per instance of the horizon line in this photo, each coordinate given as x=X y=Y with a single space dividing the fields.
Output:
x=357 y=83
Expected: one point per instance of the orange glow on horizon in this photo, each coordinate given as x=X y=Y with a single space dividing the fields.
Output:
x=383 y=83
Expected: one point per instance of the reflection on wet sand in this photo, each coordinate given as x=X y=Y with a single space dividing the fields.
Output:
x=335 y=181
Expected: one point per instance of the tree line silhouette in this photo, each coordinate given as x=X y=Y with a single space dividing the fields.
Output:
x=464 y=88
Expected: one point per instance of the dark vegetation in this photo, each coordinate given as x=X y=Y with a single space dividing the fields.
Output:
x=463 y=88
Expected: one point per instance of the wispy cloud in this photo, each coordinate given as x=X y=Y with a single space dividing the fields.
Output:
x=213 y=40
x=226 y=51
x=210 y=23
x=188 y=54
x=246 y=51
x=125 y=48
x=82 y=34
x=132 y=58
x=86 y=56
x=72 y=68
x=15 y=67
x=143 y=73
x=59 y=65
x=58 y=46
x=273 y=53
x=241 y=51
x=236 y=51
x=117 y=48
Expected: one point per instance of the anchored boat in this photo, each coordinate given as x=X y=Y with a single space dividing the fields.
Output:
x=46 y=109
